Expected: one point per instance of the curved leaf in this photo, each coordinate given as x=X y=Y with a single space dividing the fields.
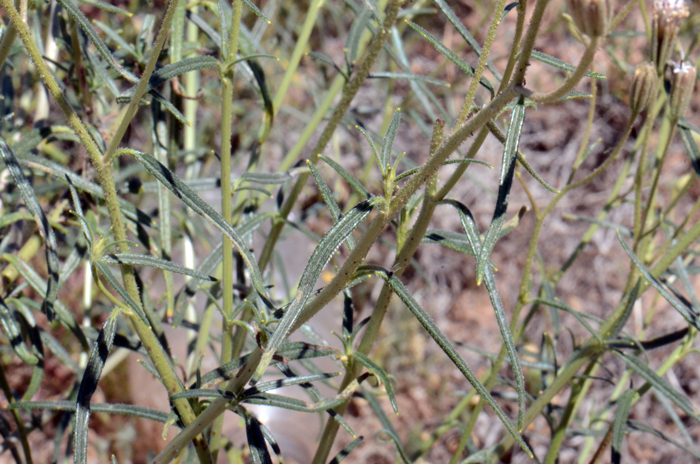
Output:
x=381 y=374
x=158 y=263
x=385 y=158
x=645 y=372
x=88 y=385
x=318 y=260
x=191 y=199
x=504 y=186
x=46 y=231
x=620 y=424
x=449 y=349
x=109 y=408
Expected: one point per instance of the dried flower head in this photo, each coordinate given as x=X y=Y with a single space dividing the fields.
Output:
x=643 y=87
x=682 y=85
x=591 y=17
x=666 y=23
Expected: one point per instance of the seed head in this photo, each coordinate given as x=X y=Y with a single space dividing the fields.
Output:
x=592 y=17
x=643 y=87
x=682 y=84
x=666 y=23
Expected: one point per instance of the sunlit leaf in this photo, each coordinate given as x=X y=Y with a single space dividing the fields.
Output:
x=46 y=231
x=318 y=260
x=88 y=385
x=191 y=199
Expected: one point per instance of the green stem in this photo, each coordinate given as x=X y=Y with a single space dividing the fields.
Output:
x=402 y=260
x=578 y=392
x=483 y=59
x=351 y=89
x=301 y=44
x=573 y=79
x=211 y=413
x=517 y=37
x=227 y=200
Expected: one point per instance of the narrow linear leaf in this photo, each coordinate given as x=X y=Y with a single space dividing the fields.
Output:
x=620 y=424
x=557 y=63
x=523 y=162
x=466 y=35
x=107 y=7
x=450 y=55
x=453 y=240
x=225 y=16
x=504 y=186
x=14 y=335
x=116 y=38
x=171 y=71
x=449 y=349
x=37 y=283
x=687 y=314
x=274 y=178
x=385 y=422
x=325 y=191
x=101 y=47
x=645 y=372
x=45 y=229
x=158 y=263
x=470 y=228
x=202 y=393
x=293 y=404
x=257 y=11
x=394 y=438
x=318 y=260
x=59 y=351
x=644 y=428
x=375 y=12
x=327 y=61
x=388 y=145
x=691 y=148
x=177 y=33
x=671 y=411
x=573 y=95
x=354 y=183
x=504 y=327
x=381 y=374
x=288 y=351
x=357 y=28
x=407 y=77
x=109 y=408
x=88 y=385
x=579 y=317
x=342 y=454
x=288 y=382
x=375 y=150
x=11 y=218
x=61 y=173
x=191 y=199
x=256 y=440
x=101 y=270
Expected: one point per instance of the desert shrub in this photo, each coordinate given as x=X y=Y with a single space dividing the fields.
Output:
x=168 y=169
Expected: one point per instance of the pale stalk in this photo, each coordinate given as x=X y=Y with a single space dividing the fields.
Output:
x=227 y=201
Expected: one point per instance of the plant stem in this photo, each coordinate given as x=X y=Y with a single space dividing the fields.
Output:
x=573 y=79
x=483 y=59
x=351 y=89
x=382 y=304
x=227 y=200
